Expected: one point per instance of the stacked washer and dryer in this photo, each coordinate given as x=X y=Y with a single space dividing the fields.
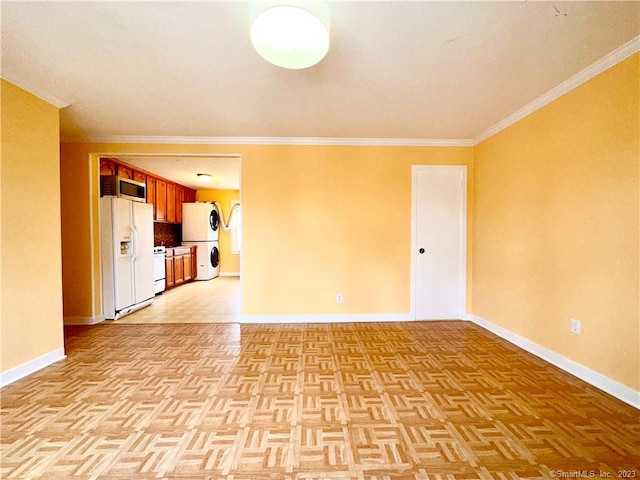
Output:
x=200 y=227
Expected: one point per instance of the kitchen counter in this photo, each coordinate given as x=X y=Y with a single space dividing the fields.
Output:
x=172 y=251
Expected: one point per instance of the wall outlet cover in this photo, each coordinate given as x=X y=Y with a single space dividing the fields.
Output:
x=576 y=326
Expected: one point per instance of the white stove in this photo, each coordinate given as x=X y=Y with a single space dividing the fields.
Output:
x=159 y=273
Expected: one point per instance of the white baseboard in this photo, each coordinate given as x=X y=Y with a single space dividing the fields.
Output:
x=606 y=384
x=229 y=274
x=83 y=320
x=328 y=318
x=31 y=366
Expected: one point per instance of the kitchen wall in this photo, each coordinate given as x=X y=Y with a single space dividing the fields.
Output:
x=229 y=262
x=317 y=220
x=556 y=225
x=31 y=273
x=167 y=234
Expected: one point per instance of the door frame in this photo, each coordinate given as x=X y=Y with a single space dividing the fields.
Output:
x=93 y=159
x=463 y=232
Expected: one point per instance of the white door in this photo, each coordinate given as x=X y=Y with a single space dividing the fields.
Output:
x=439 y=249
x=143 y=264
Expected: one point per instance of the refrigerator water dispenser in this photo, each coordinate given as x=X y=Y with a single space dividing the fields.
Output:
x=125 y=248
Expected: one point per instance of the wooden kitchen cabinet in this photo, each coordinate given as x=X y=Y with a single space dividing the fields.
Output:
x=187 y=267
x=189 y=195
x=179 y=201
x=169 y=275
x=108 y=167
x=167 y=197
x=139 y=176
x=125 y=172
x=161 y=200
x=171 y=202
x=178 y=268
x=190 y=264
x=151 y=193
x=181 y=265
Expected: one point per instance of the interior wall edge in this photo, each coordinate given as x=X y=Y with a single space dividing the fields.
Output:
x=16 y=373
x=31 y=313
x=71 y=320
x=602 y=382
x=329 y=318
x=618 y=55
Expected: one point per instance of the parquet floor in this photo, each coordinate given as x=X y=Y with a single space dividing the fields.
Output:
x=424 y=400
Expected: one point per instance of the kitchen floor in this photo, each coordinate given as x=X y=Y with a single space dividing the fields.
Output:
x=212 y=301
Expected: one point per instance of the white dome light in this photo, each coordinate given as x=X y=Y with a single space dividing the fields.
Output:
x=290 y=36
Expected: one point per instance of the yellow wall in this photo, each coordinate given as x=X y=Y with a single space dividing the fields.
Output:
x=317 y=220
x=31 y=321
x=554 y=201
x=328 y=220
x=556 y=225
x=229 y=262
x=77 y=260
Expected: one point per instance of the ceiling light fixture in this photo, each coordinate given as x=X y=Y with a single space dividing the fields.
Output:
x=292 y=34
x=205 y=177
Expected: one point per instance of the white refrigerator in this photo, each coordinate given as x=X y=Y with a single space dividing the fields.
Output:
x=126 y=247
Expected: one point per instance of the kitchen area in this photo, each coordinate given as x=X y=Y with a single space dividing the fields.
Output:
x=190 y=239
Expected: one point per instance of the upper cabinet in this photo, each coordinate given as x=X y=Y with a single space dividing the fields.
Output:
x=161 y=200
x=171 y=203
x=139 y=176
x=151 y=193
x=166 y=196
x=125 y=171
x=108 y=167
x=179 y=201
x=189 y=195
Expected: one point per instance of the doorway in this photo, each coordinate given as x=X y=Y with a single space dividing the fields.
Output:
x=439 y=218
x=200 y=301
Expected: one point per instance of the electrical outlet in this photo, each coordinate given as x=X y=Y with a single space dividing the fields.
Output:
x=576 y=326
x=339 y=298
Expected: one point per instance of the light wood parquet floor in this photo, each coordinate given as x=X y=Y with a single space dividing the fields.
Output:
x=423 y=400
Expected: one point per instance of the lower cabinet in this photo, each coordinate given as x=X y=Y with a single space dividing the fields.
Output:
x=181 y=265
x=178 y=266
x=186 y=267
x=168 y=263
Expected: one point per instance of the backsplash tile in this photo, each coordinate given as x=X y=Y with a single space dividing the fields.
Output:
x=167 y=234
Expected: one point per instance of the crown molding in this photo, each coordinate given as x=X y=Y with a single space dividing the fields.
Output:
x=390 y=142
x=606 y=62
x=47 y=97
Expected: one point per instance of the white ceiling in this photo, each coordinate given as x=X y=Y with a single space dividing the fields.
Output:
x=224 y=170
x=403 y=70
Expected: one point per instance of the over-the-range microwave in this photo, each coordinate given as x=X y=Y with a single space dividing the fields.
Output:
x=113 y=185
